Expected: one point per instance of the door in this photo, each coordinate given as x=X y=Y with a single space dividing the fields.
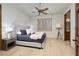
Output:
x=77 y=31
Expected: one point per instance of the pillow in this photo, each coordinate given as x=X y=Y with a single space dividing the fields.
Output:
x=32 y=31
x=28 y=31
x=23 y=32
x=18 y=32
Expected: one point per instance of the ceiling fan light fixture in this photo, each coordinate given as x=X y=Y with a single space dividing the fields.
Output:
x=39 y=10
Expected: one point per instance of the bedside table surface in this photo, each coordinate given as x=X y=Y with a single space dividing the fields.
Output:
x=9 y=40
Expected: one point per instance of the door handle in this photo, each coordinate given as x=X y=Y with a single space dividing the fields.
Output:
x=74 y=40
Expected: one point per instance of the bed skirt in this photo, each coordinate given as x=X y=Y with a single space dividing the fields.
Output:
x=31 y=44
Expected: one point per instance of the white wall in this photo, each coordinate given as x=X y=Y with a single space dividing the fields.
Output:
x=56 y=18
x=73 y=19
x=11 y=16
x=72 y=8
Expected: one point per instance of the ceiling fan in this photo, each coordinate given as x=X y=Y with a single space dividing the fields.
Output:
x=39 y=10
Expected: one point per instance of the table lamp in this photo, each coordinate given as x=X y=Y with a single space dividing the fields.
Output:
x=9 y=32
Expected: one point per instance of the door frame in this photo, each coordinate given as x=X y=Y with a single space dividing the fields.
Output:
x=65 y=27
x=65 y=24
x=0 y=26
x=76 y=30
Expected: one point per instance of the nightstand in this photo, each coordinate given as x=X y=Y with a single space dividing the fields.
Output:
x=8 y=43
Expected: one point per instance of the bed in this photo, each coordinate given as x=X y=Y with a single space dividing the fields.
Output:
x=36 y=40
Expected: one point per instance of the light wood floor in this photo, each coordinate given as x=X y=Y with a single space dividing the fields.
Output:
x=52 y=47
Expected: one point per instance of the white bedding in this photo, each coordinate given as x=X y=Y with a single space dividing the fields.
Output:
x=37 y=35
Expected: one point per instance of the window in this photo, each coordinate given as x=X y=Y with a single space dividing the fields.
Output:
x=45 y=24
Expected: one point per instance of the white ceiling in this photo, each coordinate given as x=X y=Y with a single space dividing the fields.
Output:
x=53 y=7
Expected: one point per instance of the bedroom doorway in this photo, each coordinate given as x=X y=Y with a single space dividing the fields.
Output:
x=67 y=24
x=0 y=25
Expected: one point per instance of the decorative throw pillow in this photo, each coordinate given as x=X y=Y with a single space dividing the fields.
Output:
x=18 y=32
x=32 y=31
x=23 y=32
x=28 y=31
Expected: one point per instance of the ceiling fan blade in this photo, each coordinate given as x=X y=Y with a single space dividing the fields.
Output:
x=37 y=8
x=44 y=9
x=44 y=13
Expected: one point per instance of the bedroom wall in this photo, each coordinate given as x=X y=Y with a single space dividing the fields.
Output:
x=56 y=18
x=13 y=17
x=72 y=8
x=59 y=18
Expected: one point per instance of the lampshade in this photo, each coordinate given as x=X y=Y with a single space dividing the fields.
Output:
x=9 y=29
x=58 y=26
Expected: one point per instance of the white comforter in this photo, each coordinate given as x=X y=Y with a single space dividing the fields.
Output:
x=37 y=35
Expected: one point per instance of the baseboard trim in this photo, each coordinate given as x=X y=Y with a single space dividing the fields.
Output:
x=55 y=38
